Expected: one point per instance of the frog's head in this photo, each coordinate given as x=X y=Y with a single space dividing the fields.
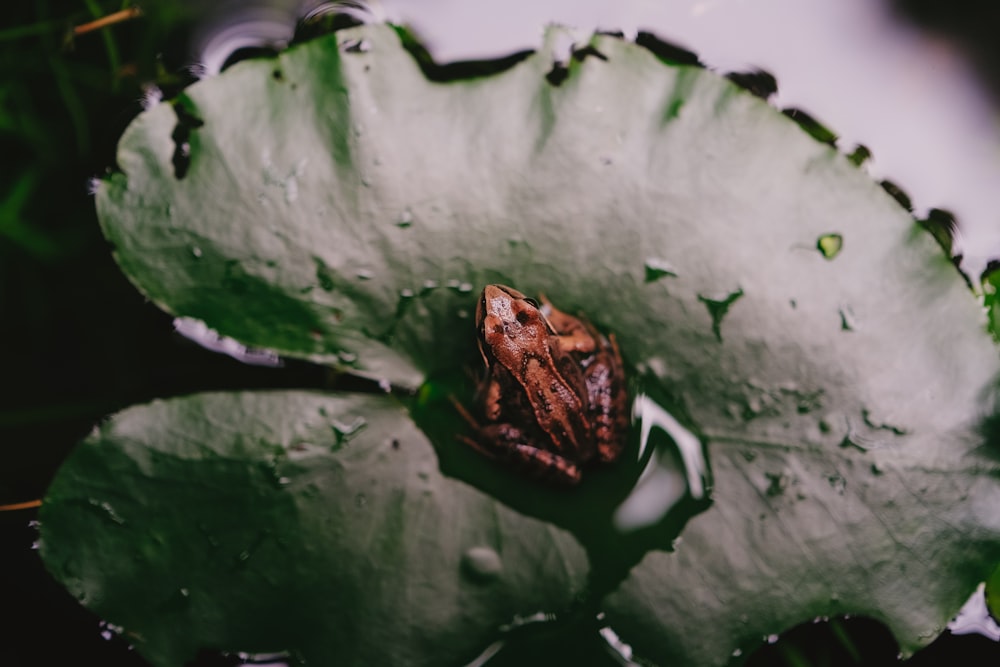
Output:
x=508 y=320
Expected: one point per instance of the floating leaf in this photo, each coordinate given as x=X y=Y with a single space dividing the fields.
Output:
x=237 y=521
x=285 y=233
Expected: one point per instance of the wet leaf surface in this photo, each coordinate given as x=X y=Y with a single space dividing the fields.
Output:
x=348 y=212
x=293 y=521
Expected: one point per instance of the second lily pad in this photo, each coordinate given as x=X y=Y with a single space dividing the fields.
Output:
x=298 y=522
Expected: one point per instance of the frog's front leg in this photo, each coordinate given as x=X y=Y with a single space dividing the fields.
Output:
x=573 y=336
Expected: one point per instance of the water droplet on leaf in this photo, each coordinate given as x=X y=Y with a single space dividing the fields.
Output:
x=753 y=408
x=291 y=189
x=356 y=46
x=481 y=564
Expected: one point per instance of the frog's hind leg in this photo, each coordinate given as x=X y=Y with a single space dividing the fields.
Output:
x=546 y=466
x=537 y=463
x=503 y=444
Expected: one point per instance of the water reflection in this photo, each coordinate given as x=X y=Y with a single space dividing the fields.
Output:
x=663 y=482
x=974 y=617
x=198 y=332
x=232 y=27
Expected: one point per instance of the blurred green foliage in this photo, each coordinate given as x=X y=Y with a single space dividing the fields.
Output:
x=57 y=95
x=80 y=341
x=56 y=92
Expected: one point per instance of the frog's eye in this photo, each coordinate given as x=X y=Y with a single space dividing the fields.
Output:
x=531 y=302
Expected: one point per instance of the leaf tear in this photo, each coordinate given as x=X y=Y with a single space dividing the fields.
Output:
x=668 y=52
x=590 y=50
x=456 y=71
x=718 y=308
x=557 y=74
x=181 y=136
x=941 y=224
x=898 y=194
x=811 y=126
x=758 y=82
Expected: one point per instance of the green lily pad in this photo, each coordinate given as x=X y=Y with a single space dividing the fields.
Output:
x=293 y=521
x=335 y=205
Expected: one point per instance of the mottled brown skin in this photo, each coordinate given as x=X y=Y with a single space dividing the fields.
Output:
x=554 y=394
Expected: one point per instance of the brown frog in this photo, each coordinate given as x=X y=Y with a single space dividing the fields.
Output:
x=554 y=395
